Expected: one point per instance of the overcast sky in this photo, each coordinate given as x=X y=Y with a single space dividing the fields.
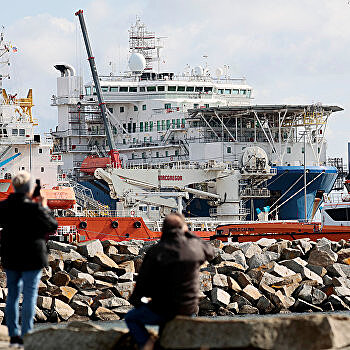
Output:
x=295 y=51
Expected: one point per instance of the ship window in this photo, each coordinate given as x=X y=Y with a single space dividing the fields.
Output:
x=134 y=140
x=151 y=88
x=173 y=123
x=94 y=90
x=142 y=89
x=183 y=122
x=121 y=109
x=249 y=92
x=14 y=132
x=144 y=107
x=124 y=128
x=229 y=150
x=151 y=126
x=208 y=89
x=145 y=139
x=104 y=88
x=289 y=150
x=178 y=122
x=163 y=124
x=243 y=92
x=136 y=108
x=150 y=139
x=318 y=150
x=110 y=109
x=133 y=156
x=227 y=91
x=171 y=88
x=167 y=153
x=114 y=88
x=42 y=169
x=196 y=105
x=181 y=88
x=40 y=150
x=144 y=155
x=88 y=90
x=141 y=126
x=124 y=142
x=132 y=89
x=133 y=127
x=157 y=154
x=22 y=132
x=167 y=105
x=158 y=125
x=235 y=91
x=176 y=152
x=190 y=88
x=168 y=124
x=161 y=88
x=206 y=105
x=339 y=214
x=16 y=150
x=146 y=126
x=221 y=91
x=302 y=150
x=199 y=88
x=123 y=89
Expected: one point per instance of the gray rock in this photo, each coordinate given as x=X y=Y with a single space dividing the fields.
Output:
x=44 y=303
x=311 y=295
x=343 y=254
x=233 y=285
x=340 y=282
x=220 y=281
x=240 y=300
x=103 y=260
x=104 y=314
x=327 y=281
x=206 y=305
x=261 y=259
x=295 y=265
x=337 y=303
x=251 y=293
x=319 y=270
x=280 y=270
x=39 y=316
x=127 y=248
x=81 y=308
x=265 y=242
x=302 y=306
x=90 y=248
x=237 y=257
x=227 y=267
x=220 y=297
x=78 y=274
x=82 y=298
x=124 y=289
x=63 y=247
x=248 y=309
x=339 y=270
x=63 y=310
x=242 y=279
x=126 y=277
x=264 y=305
x=205 y=282
x=290 y=253
x=121 y=311
x=233 y=307
x=269 y=279
x=107 y=276
x=113 y=302
x=322 y=256
x=342 y=291
x=305 y=245
x=230 y=248
x=250 y=249
x=282 y=301
x=72 y=255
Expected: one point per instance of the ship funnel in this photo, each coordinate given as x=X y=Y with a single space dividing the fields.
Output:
x=66 y=69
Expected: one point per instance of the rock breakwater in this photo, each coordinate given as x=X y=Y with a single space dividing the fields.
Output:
x=94 y=280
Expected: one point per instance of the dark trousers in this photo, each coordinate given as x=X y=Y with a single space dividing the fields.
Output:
x=138 y=318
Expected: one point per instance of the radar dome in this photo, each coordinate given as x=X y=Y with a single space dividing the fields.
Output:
x=219 y=72
x=198 y=70
x=137 y=62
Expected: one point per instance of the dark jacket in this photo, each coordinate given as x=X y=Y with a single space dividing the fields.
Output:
x=24 y=226
x=170 y=274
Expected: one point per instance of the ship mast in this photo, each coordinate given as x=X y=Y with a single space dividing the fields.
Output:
x=4 y=59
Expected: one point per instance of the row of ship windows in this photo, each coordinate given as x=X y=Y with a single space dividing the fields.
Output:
x=157 y=154
x=167 y=106
x=289 y=150
x=162 y=88
x=162 y=125
x=15 y=132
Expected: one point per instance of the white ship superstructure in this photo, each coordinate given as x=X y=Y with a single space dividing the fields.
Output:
x=20 y=147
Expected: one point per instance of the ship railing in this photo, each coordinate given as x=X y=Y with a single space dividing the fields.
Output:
x=255 y=193
x=224 y=212
x=66 y=229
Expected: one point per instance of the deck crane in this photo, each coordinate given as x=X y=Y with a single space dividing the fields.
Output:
x=114 y=154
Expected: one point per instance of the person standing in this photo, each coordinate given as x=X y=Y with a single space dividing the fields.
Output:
x=25 y=221
x=169 y=277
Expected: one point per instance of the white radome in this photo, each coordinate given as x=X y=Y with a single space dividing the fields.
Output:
x=198 y=71
x=137 y=62
x=219 y=72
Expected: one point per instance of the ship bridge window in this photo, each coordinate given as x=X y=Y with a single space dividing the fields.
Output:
x=121 y=109
x=229 y=150
x=235 y=91
x=142 y=89
x=104 y=88
x=167 y=105
x=243 y=92
x=88 y=90
x=181 y=88
x=289 y=150
x=4 y=186
x=161 y=88
x=151 y=88
x=220 y=91
x=171 y=88
x=189 y=88
x=114 y=88
x=227 y=91
x=339 y=214
x=94 y=90
x=132 y=89
x=208 y=89
x=249 y=92
x=14 y=132
x=123 y=89
x=40 y=150
x=144 y=107
x=199 y=88
x=136 y=108
x=22 y=132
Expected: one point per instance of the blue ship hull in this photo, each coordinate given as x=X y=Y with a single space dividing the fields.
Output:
x=286 y=188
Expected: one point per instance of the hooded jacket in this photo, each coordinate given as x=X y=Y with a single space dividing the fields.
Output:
x=24 y=226
x=169 y=274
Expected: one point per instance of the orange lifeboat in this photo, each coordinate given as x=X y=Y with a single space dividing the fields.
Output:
x=59 y=197
x=5 y=189
x=91 y=163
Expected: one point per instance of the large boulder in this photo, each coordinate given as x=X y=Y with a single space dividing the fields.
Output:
x=90 y=248
x=75 y=336
x=220 y=297
x=104 y=260
x=283 y=333
x=322 y=256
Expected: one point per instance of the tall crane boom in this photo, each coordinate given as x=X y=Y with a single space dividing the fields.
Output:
x=114 y=154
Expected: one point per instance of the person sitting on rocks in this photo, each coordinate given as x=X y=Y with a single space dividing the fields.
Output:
x=169 y=277
x=25 y=222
